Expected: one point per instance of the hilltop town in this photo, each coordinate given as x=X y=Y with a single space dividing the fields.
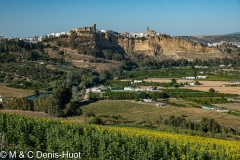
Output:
x=149 y=33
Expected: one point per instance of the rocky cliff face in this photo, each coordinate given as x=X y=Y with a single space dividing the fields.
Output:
x=162 y=47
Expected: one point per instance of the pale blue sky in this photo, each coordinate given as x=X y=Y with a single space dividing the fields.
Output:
x=25 y=18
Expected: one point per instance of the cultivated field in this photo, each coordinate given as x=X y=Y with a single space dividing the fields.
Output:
x=13 y=92
x=133 y=111
x=206 y=85
x=232 y=90
x=231 y=106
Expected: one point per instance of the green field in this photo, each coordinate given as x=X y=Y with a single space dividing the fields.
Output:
x=134 y=112
x=13 y=92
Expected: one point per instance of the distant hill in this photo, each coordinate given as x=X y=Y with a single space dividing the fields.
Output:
x=215 y=38
x=236 y=33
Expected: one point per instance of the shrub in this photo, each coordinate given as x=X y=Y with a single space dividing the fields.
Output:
x=197 y=83
x=90 y=114
x=96 y=120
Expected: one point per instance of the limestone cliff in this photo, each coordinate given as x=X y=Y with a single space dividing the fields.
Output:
x=162 y=46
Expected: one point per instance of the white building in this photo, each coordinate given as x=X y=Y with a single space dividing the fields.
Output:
x=128 y=89
x=209 y=45
x=40 y=39
x=103 y=31
x=138 y=89
x=137 y=81
x=201 y=76
x=57 y=35
x=237 y=83
x=95 y=89
x=188 y=77
x=216 y=44
x=150 y=89
x=52 y=34
x=135 y=34
x=191 y=83
x=223 y=110
x=147 y=100
x=1 y=98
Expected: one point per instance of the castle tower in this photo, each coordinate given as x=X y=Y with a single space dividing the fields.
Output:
x=147 y=30
x=94 y=28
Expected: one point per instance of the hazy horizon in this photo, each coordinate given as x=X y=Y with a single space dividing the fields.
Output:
x=28 y=18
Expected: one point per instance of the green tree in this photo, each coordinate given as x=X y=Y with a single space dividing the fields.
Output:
x=136 y=98
x=197 y=83
x=211 y=90
x=36 y=91
x=96 y=120
x=58 y=100
x=174 y=81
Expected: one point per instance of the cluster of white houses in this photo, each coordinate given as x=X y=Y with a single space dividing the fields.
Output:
x=58 y=34
x=148 y=33
x=220 y=44
x=138 y=89
x=36 y=39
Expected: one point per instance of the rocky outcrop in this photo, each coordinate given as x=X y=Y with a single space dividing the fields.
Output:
x=162 y=46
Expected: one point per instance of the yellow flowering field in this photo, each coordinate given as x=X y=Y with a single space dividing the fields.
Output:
x=106 y=142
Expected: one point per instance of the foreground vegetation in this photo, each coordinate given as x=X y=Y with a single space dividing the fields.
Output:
x=96 y=142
